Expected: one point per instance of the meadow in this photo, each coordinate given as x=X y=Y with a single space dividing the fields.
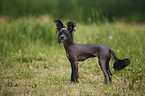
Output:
x=33 y=63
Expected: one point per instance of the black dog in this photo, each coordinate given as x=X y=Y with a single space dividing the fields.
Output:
x=80 y=52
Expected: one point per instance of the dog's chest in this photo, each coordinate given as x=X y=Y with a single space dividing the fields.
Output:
x=67 y=55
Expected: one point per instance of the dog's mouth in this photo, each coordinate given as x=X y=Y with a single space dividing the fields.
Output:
x=62 y=41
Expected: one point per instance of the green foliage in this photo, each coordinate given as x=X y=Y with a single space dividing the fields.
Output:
x=32 y=62
x=86 y=11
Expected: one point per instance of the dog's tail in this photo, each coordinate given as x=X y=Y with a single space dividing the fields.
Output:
x=119 y=63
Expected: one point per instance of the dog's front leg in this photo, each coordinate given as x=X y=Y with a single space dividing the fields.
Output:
x=74 y=74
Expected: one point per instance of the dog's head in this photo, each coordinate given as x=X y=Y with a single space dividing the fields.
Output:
x=65 y=34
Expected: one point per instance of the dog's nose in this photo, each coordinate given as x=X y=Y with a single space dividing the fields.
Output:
x=62 y=37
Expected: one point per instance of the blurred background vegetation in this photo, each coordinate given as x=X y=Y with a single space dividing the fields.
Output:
x=86 y=11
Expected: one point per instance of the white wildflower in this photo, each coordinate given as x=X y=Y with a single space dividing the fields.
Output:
x=91 y=74
x=33 y=61
x=140 y=69
x=31 y=67
x=40 y=53
x=118 y=51
x=110 y=37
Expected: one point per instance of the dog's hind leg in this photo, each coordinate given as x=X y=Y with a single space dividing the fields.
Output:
x=108 y=69
x=102 y=64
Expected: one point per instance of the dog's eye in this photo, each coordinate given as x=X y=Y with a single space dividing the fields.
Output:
x=60 y=33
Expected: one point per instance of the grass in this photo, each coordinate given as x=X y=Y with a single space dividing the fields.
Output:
x=33 y=63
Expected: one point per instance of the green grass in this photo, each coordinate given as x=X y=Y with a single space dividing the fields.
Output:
x=33 y=63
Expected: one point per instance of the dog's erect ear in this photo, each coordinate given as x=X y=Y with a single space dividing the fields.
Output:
x=59 y=24
x=71 y=26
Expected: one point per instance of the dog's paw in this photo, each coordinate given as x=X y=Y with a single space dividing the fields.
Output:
x=70 y=82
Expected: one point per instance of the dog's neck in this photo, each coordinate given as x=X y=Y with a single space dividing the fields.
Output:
x=68 y=46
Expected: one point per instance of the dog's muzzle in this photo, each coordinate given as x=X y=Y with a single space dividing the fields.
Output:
x=62 y=39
